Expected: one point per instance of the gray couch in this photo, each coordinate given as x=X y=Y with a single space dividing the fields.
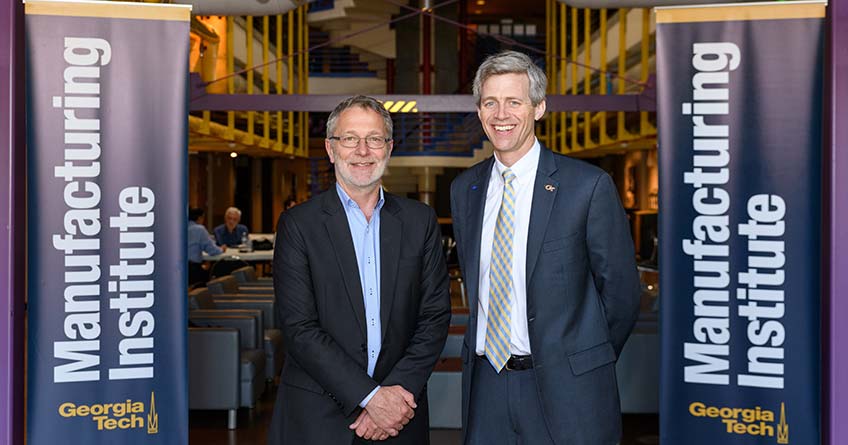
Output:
x=272 y=338
x=246 y=276
x=226 y=370
x=229 y=285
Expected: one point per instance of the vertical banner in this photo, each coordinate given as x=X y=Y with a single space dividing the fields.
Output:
x=12 y=221
x=837 y=393
x=107 y=135
x=740 y=119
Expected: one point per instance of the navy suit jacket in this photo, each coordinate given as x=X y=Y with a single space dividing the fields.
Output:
x=322 y=314
x=582 y=291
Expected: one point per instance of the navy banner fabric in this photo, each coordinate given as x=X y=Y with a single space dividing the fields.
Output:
x=107 y=135
x=740 y=122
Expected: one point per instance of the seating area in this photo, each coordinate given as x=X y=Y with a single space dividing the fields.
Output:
x=235 y=347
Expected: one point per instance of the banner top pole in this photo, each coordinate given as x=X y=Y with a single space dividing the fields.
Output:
x=125 y=10
x=742 y=12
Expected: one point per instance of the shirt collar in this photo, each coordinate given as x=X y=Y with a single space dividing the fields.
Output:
x=525 y=167
x=347 y=201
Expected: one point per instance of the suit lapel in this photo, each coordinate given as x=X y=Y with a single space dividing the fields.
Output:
x=391 y=229
x=338 y=230
x=544 y=195
x=476 y=194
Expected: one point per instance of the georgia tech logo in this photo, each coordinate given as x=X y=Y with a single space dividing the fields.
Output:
x=746 y=421
x=152 y=417
x=110 y=416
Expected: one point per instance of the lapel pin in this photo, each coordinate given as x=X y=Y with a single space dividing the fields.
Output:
x=549 y=187
x=473 y=187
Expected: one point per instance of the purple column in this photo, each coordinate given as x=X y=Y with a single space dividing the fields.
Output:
x=12 y=222
x=837 y=390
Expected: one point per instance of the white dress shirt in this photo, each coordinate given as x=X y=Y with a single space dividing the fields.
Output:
x=525 y=178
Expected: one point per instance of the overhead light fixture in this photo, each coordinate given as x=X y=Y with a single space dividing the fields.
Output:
x=233 y=154
x=481 y=2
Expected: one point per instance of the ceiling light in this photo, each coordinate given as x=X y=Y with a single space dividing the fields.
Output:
x=481 y=2
x=233 y=154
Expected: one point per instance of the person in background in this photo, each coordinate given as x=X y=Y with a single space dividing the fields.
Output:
x=231 y=233
x=199 y=242
x=545 y=248
x=291 y=202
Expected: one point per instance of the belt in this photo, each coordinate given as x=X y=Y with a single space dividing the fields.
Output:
x=515 y=362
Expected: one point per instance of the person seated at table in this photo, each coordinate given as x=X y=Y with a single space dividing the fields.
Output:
x=199 y=241
x=231 y=232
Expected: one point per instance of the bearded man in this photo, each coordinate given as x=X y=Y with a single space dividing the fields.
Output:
x=362 y=296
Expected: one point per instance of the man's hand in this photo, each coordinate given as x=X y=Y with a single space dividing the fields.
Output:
x=391 y=408
x=367 y=429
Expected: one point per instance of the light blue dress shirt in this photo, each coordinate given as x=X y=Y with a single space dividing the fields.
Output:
x=198 y=242
x=366 y=243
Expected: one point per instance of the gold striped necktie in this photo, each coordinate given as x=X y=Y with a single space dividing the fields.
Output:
x=500 y=279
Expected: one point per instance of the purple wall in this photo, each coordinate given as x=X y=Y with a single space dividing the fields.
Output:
x=12 y=223
x=836 y=387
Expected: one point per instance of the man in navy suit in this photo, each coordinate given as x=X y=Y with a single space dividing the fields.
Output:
x=546 y=252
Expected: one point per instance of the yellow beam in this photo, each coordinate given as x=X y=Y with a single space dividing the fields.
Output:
x=549 y=62
x=221 y=135
x=621 y=132
x=602 y=127
x=290 y=61
x=249 y=62
x=645 y=127
x=266 y=81
x=574 y=145
x=563 y=70
x=587 y=75
x=306 y=76
x=300 y=75
x=279 y=56
x=231 y=116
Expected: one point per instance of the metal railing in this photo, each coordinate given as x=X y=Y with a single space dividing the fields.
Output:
x=436 y=134
x=280 y=42
x=582 y=58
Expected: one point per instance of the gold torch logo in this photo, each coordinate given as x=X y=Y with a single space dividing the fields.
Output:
x=152 y=417
x=782 y=427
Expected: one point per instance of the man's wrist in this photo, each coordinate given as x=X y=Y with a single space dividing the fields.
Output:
x=369 y=397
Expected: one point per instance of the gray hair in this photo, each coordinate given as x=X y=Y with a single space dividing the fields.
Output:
x=366 y=102
x=508 y=62
x=233 y=210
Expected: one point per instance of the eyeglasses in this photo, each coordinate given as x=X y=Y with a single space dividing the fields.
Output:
x=350 y=141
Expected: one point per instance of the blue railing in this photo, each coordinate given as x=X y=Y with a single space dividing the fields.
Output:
x=436 y=134
x=321 y=5
x=329 y=61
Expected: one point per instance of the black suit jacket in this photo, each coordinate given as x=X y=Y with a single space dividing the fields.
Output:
x=322 y=312
x=582 y=291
